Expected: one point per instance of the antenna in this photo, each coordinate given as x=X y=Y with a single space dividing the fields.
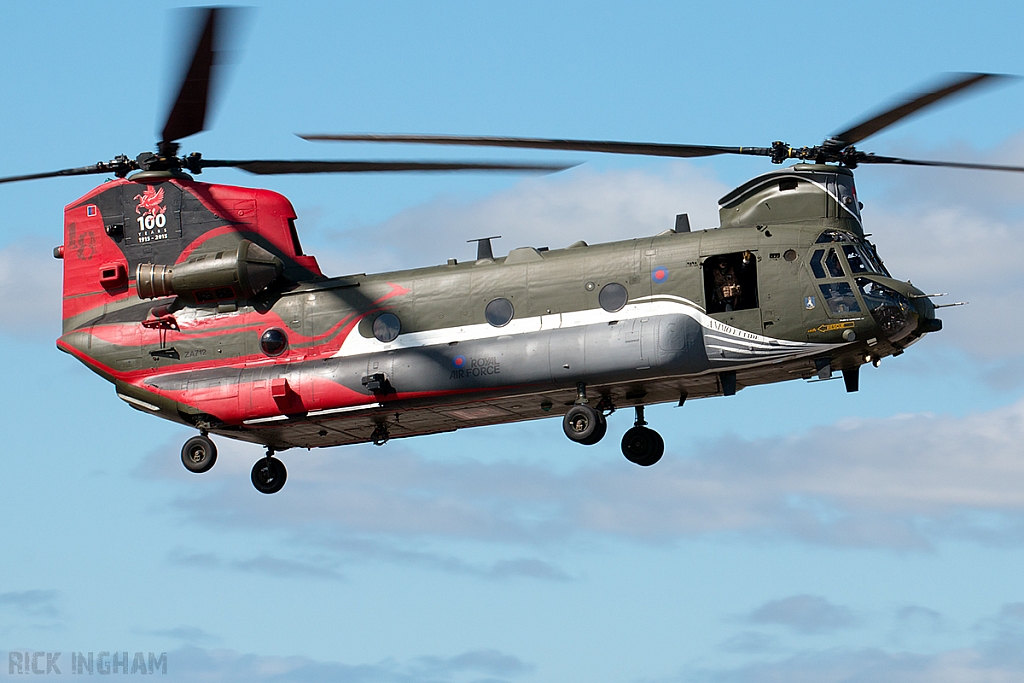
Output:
x=483 y=247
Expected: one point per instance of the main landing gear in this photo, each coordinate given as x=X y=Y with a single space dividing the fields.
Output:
x=587 y=425
x=641 y=444
x=584 y=424
x=200 y=453
x=269 y=474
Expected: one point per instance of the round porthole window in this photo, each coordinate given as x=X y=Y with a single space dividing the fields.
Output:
x=612 y=297
x=386 y=327
x=499 y=312
x=273 y=342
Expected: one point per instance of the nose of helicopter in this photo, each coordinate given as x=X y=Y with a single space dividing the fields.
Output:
x=921 y=317
x=899 y=308
x=927 y=322
x=925 y=308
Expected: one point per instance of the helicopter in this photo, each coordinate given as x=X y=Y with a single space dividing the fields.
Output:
x=197 y=302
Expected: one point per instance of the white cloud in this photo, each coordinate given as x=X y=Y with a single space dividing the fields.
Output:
x=905 y=482
x=551 y=211
x=996 y=657
x=345 y=549
x=956 y=249
x=30 y=291
x=225 y=666
x=956 y=231
x=946 y=230
x=873 y=666
x=808 y=614
x=32 y=603
x=185 y=634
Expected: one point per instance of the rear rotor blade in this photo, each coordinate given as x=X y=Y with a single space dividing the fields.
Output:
x=955 y=83
x=188 y=113
x=117 y=167
x=643 y=148
x=271 y=167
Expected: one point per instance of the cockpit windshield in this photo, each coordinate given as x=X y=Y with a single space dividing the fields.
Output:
x=891 y=310
x=860 y=255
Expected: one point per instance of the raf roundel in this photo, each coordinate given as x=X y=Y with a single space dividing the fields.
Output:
x=659 y=274
x=458 y=361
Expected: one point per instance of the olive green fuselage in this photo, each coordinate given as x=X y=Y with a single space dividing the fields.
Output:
x=787 y=288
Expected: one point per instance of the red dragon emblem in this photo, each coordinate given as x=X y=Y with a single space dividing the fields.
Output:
x=149 y=202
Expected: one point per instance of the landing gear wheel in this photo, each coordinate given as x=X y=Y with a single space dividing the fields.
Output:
x=602 y=429
x=198 y=454
x=643 y=446
x=584 y=425
x=269 y=475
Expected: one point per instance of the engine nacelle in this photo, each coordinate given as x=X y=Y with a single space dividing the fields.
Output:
x=220 y=276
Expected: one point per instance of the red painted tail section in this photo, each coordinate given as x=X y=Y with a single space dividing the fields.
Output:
x=124 y=223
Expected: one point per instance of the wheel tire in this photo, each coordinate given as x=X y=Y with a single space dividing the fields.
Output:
x=602 y=429
x=581 y=423
x=269 y=475
x=199 y=454
x=643 y=446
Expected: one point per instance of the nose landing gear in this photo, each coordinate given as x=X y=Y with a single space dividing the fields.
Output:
x=199 y=454
x=269 y=474
x=641 y=444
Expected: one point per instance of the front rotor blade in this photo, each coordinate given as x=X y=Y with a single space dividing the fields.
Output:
x=188 y=114
x=264 y=167
x=956 y=83
x=873 y=159
x=612 y=147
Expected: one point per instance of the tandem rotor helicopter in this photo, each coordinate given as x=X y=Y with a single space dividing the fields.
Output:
x=197 y=302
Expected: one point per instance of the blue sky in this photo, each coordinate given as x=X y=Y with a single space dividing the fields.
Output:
x=791 y=532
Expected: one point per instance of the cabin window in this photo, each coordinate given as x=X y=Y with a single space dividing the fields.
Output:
x=730 y=282
x=499 y=312
x=839 y=298
x=387 y=327
x=612 y=297
x=273 y=342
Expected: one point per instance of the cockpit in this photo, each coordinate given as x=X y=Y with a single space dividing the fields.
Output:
x=860 y=255
x=843 y=261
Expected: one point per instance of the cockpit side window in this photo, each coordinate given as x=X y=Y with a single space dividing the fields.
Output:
x=833 y=264
x=855 y=259
x=816 y=267
x=827 y=266
x=872 y=257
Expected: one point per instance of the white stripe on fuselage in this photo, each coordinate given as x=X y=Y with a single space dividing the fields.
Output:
x=718 y=336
